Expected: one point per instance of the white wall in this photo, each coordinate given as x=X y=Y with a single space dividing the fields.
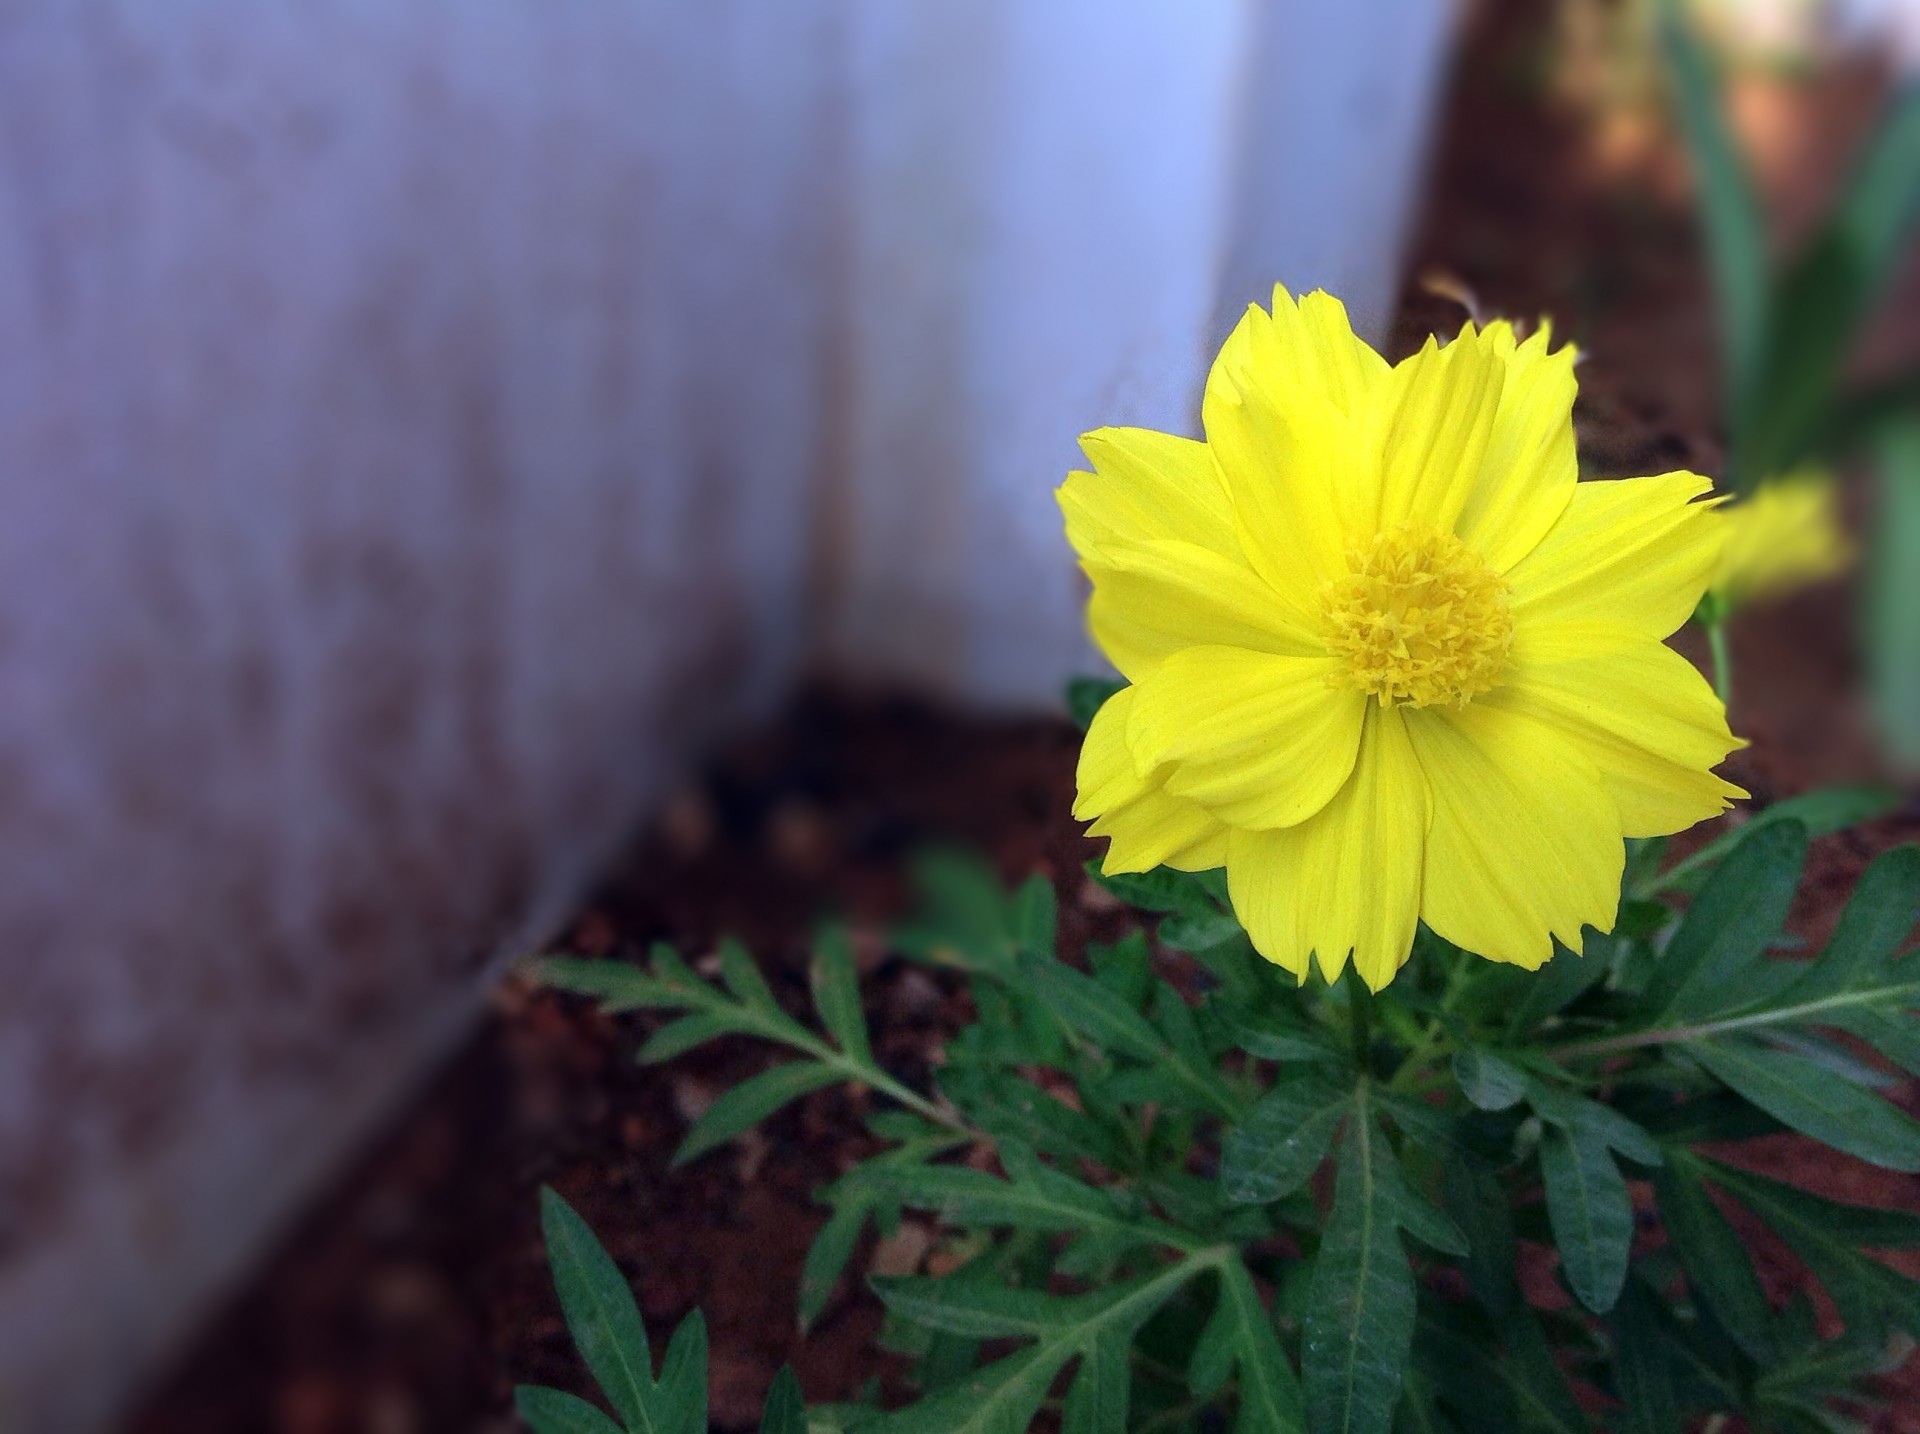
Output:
x=423 y=423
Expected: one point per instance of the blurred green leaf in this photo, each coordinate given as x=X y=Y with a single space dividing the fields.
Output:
x=836 y=994
x=600 y=1310
x=785 y=1411
x=751 y=1102
x=1087 y=695
x=553 y=1411
x=1893 y=592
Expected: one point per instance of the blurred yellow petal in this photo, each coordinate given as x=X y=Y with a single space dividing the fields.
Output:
x=1346 y=882
x=1783 y=537
x=1525 y=843
x=1634 y=552
x=1260 y=740
x=1146 y=827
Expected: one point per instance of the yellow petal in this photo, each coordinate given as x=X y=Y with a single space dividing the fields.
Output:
x=1282 y=407
x=1146 y=485
x=1434 y=423
x=1151 y=599
x=1145 y=826
x=1260 y=740
x=1784 y=536
x=1347 y=881
x=1647 y=721
x=1525 y=843
x=1633 y=552
x=1528 y=473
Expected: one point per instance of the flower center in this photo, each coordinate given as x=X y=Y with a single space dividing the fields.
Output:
x=1419 y=618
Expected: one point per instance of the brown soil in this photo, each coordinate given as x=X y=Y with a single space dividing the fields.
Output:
x=416 y=1293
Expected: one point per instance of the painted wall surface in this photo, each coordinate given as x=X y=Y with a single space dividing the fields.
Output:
x=425 y=423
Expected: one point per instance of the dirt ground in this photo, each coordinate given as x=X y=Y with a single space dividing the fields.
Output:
x=415 y=1294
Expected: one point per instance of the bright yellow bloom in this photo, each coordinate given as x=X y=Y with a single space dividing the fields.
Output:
x=1388 y=660
x=1785 y=536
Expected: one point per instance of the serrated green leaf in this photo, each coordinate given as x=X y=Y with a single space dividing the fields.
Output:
x=679 y=1402
x=600 y=1311
x=1488 y=1081
x=1718 y=1265
x=678 y=1037
x=553 y=1411
x=1814 y=1101
x=1591 y=1215
x=836 y=994
x=1283 y=1139
x=785 y=1411
x=1360 y=1303
x=1087 y=695
x=1270 y=1401
x=751 y=1102
x=1739 y=913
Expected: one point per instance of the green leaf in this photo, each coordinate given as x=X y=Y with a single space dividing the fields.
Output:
x=1561 y=982
x=1283 y=1139
x=1876 y=923
x=1718 y=1265
x=1088 y=1006
x=1730 y=216
x=742 y=977
x=1272 y=1039
x=1822 y=813
x=751 y=1102
x=1478 y=1205
x=1588 y=1206
x=1642 y=1366
x=1830 y=1238
x=600 y=1311
x=1814 y=1101
x=1487 y=1081
x=1739 y=913
x=1269 y=1393
x=836 y=994
x=617 y=985
x=680 y=1401
x=678 y=1037
x=1087 y=695
x=1098 y=1400
x=1360 y=1302
x=785 y=1411
x=553 y=1411
x=827 y=1257
x=976 y=1309
x=1035 y=917
x=1162 y=889
x=1035 y=1197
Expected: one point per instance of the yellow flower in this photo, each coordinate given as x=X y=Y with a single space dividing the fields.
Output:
x=1785 y=536
x=1388 y=660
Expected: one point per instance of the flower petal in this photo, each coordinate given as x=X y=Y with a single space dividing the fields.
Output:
x=1647 y=721
x=1528 y=473
x=1632 y=552
x=1152 y=599
x=1347 y=880
x=1434 y=420
x=1261 y=740
x=1146 y=485
x=1525 y=843
x=1282 y=405
x=1145 y=827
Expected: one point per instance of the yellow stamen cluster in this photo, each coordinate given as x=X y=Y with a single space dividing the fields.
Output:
x=1419 y=618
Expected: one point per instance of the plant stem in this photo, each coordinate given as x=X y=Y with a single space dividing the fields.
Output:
x=1722 y=660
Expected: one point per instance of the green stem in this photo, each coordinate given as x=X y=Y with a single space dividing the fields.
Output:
x=1722 y=660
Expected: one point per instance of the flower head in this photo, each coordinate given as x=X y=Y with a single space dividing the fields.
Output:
x=1389 y=661
x=1786 y=535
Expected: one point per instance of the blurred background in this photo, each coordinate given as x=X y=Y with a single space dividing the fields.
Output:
x=481 y=478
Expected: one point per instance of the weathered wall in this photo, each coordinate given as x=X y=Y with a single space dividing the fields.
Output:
x=424 y=422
